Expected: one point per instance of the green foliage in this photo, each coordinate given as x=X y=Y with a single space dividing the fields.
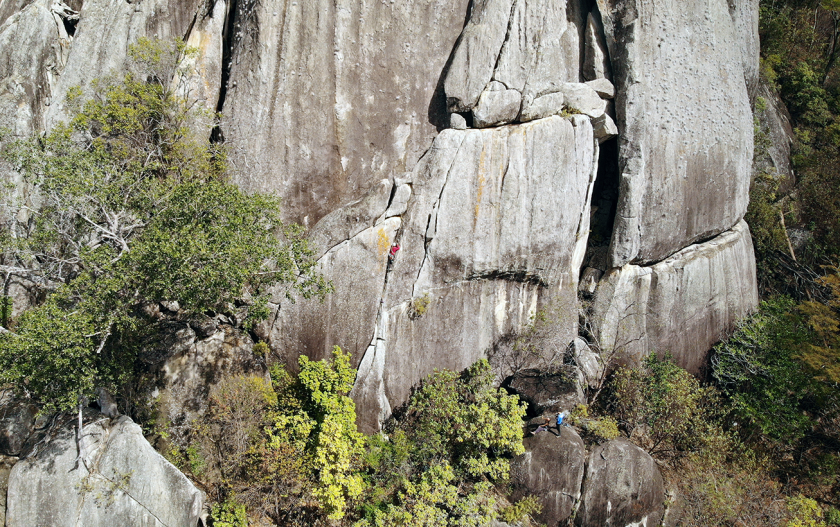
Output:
x=134 y=209
x=822 y=353
x=806 y=512
x=453 y=438
x=228 y=514
x=666 y=406
x=758 y=370
x=338 y=446
x=288 y=450
x=419 y=306
x=603 y=429
x=520 y=510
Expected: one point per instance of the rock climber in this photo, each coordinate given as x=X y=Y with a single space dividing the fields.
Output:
x=393 y=252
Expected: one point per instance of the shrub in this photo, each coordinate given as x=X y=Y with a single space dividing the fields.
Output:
x=665 y=406
x=758 y=371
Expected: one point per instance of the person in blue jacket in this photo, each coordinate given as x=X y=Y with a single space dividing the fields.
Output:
x=560 y=417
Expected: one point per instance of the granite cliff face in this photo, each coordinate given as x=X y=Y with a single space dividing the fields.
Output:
x=509 y=146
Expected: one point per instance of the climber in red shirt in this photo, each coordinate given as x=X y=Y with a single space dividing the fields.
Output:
x=393 y=252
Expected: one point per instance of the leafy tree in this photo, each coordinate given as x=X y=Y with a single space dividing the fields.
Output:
x=129 y=205
x=758 y=369
x=289 y=450
x=443 y=451
x=666 y=406
x=822 y=353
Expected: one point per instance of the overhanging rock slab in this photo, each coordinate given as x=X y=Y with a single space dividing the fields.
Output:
x=684 y=304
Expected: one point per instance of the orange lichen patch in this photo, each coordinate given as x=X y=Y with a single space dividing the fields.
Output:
x=383 y=242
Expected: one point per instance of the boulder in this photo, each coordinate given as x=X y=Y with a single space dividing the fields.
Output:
x=623 y=487
x=551 y=469
x=582 y=98
x=684 y=304
x=685 y=122
x=603 y=87
x=496 y=107
x=604 y=128
x=543 y=106
x=119 y=480
x=457 y=121
x=547 y=393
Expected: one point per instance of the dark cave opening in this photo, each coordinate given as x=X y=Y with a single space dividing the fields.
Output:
x=70 y=24
x=602 y=214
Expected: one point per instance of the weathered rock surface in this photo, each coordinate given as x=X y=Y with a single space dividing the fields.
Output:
x=6 y=464
x=547 y=393
x=596 y=62
x=17 y=422
x=623 y=488
x=774 y=121
x=685 y=124
x=122 y=481
x=476 y=53
x=683 y=304
x=496 y=107
x=347 y=316
x=496 y=229
x=325 y=99
x=31 y=54
x=587 y=361
x=551 y=469
x=103 y=34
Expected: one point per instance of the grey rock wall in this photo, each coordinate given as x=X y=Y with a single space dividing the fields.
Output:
x=552 y=469
x=684 y=304
x=341 y=107
x=326 y=98
x=495 y=230
x=120 y=480
x=684 y=122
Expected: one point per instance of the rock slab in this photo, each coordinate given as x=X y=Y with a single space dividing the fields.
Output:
x=123 y=481
x=684 y=304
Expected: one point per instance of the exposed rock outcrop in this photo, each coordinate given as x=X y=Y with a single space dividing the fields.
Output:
x=552 y=469
x=17 y=423
x=325 y=99
x=684 y=121
x=623 y=488
x=684 y=304
x=117 y=480
x=547 y=393
x=495 y=230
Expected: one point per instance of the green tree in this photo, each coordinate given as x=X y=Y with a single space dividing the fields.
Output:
x=758 y=370
x=674 y=414
x=438 y=459
x=130 y=205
